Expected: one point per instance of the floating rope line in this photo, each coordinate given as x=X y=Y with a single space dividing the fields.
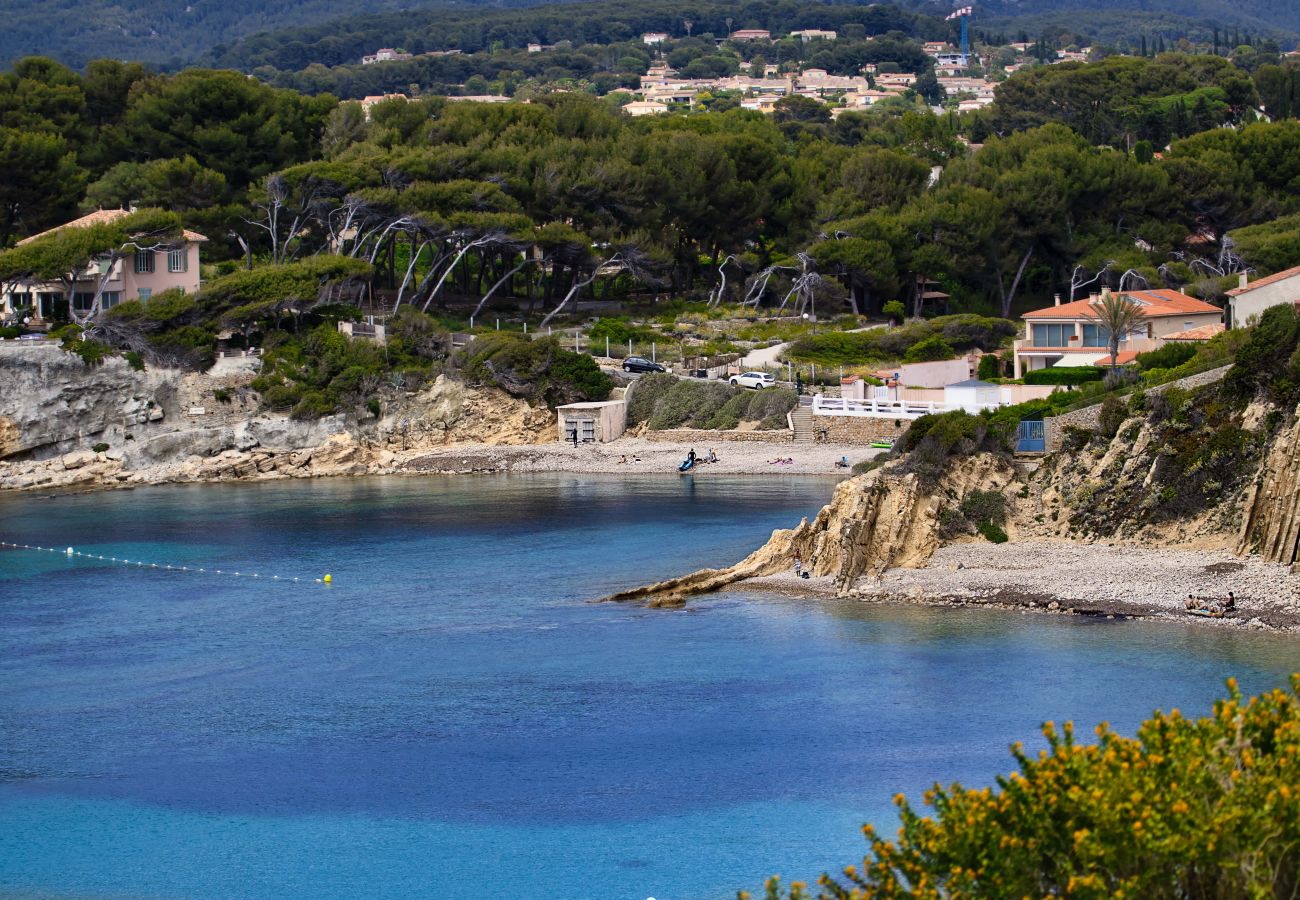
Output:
x=72 y=552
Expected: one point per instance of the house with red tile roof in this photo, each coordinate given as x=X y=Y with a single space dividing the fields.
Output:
x=136 y=277
x=1069 y=334
x=1249 y=299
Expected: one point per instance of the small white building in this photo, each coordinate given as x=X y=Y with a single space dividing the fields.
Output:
x=651 y=38
x=972 y=395
x=645 y=108
x=592 y=423
x=814 y=34
x=1249 y=300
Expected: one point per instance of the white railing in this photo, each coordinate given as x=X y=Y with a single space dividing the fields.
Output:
x=887 y=409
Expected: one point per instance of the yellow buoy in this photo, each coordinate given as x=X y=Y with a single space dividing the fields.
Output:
x=328 y=579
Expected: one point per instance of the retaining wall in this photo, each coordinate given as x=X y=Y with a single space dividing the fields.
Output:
x=703 y=437
x=859 y=429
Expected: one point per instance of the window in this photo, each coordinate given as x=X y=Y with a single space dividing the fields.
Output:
x=177 y=261
x=82 y=302
x=110 y=299
x=145 y=293
x=143 y=261
x=1096 y=336
x=1055 y=335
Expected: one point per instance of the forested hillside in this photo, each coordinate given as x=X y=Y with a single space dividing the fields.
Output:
x=298 y=33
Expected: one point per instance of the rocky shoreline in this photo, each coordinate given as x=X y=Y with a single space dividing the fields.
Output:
x=1102 y=579
x=345 y=455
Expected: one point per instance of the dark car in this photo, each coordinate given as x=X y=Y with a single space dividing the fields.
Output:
x=641 y=364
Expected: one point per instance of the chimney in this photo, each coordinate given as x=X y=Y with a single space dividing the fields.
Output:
x=1241 y=279
x=1105 y=294
x=1058 y=300
x=1092 y=299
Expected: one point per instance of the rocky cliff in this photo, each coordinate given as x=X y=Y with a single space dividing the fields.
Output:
x=875 y=521
x=1270 y=523
x=65 y=424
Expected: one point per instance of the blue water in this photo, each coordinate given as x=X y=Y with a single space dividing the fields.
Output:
x=452 y=717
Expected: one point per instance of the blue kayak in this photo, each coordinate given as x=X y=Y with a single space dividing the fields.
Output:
x=686 y=465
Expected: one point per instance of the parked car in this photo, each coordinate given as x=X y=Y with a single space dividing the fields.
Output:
x=641 y=364
x=753 y=380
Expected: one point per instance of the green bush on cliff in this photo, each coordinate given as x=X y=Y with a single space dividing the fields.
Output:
x=1187 y=808
x=1267 y=364
x=665 y=401
x=538 y=370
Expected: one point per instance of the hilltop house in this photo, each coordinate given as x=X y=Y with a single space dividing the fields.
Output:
x=1249 y=300
x=136 y=277
x=1067 y=334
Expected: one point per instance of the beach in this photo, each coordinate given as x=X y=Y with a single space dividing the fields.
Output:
x=1098 y=579
x=621 y=457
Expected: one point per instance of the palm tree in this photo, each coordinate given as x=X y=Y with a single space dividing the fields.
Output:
x=1117 y=315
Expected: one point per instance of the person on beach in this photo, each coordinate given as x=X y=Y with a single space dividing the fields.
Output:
x=1191 y=603
x=798 y=564
x=575 y=438
x=713 y=457
x=691 y=457
x=1230 y=605
x=622 y=460
x=636 y=457
x=842 y=462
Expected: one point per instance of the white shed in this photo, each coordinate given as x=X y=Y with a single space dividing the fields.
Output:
x=972 y=395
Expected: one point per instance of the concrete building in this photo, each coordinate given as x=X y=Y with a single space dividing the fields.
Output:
x=651 y=38
x=1068 y=334
x=814 y=34
x=1248 y=301
x=599 y=422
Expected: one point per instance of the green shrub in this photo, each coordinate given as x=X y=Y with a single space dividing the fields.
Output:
x=1066 y=375
x=313 y=405
x=221 y=395
x=1171 y=355
x=10 y=332
x=984 y=506
x=134 y=360
x=990 y=367
x=374 y=406
x=1178 y=810
x=99 y=448
x=930 y=349
x=619 y=331
x=690 y=403
x=894 y=310
x=281 y=396
x=538 y=370
x=1113 y=413
x=1267 y=363
x=992 y=532
x=645 y=394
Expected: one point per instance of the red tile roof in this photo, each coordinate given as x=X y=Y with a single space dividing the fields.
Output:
x=1163 y=302
x=1123 y=359
x=1204 y=333
x=1263 y=282
x=100 y=217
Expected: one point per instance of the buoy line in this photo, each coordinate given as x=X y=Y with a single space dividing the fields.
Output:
x=72 y=552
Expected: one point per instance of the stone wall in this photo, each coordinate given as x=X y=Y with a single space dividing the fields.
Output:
x=859 y=429
x=1090 y=416
x=703 y=436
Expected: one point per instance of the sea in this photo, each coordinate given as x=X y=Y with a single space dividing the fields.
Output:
x=454 y=714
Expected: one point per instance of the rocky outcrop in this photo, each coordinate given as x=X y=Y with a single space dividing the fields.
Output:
x=1271 y=521
x=880 y=520
x=52 y=402
x=449 y=412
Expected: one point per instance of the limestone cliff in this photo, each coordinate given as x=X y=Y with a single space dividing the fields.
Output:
x=1271 y=514
x=875 y=521
x=65 y=424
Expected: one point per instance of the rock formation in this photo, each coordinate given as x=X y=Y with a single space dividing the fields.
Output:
x=1271 y=521
x=875 y=521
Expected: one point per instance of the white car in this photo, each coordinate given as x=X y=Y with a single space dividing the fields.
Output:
x=753 y=380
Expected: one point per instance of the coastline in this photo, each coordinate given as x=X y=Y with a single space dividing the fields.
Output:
x=1106 y=580
x=343 y=455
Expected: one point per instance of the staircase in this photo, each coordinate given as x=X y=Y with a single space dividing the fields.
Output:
x=801 y=417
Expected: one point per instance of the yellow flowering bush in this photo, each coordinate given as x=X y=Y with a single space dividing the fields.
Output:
x=1186 y=809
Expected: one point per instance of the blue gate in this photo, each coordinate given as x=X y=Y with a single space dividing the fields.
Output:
x=1031 y=437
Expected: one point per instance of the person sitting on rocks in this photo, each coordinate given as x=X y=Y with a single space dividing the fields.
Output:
x=1230 y=605
x=842 y=462
x=622 y=460
x=1191 y=603
x=713 y=457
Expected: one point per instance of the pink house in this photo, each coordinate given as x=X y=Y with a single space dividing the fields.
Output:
x=136 y=277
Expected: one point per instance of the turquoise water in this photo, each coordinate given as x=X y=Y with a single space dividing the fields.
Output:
x=453 y=718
